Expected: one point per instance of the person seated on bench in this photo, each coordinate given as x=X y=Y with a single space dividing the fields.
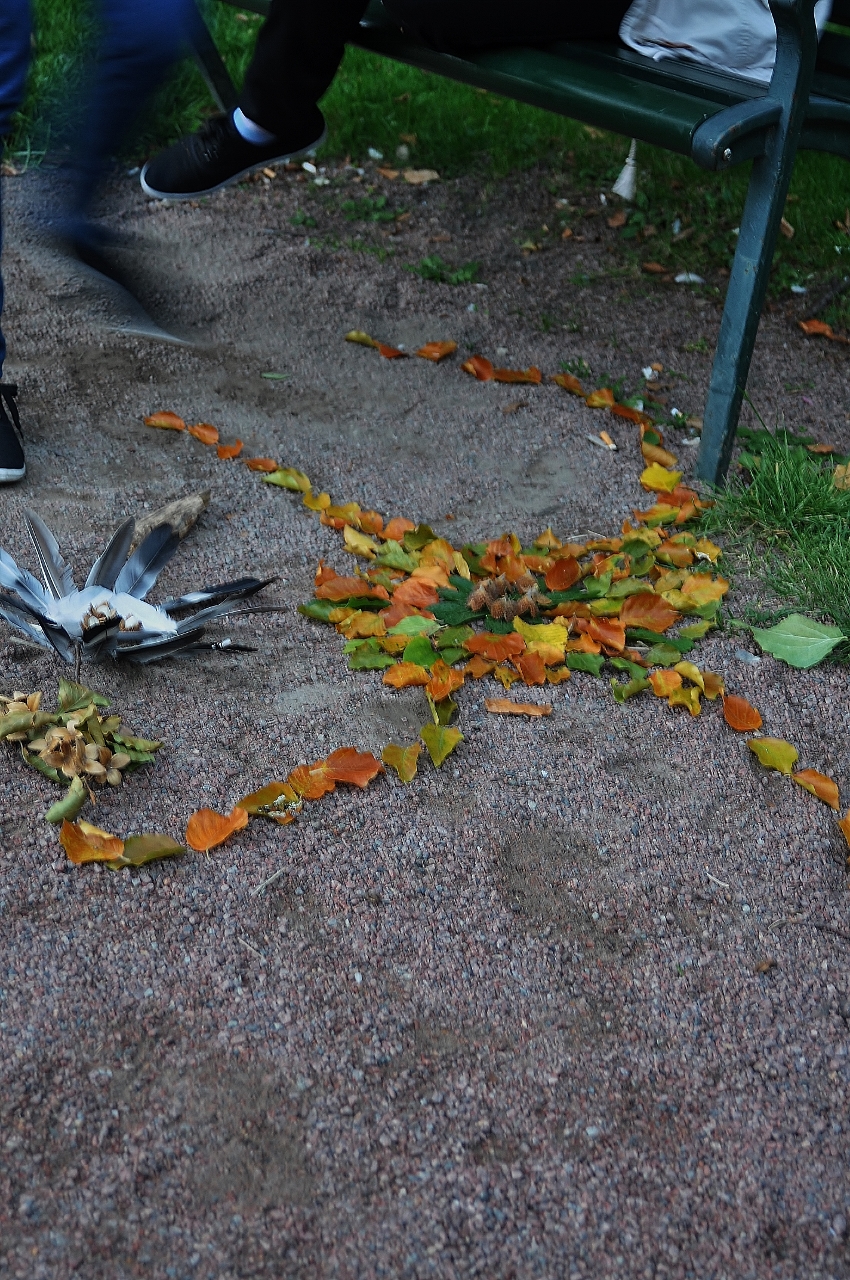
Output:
x=298 y=51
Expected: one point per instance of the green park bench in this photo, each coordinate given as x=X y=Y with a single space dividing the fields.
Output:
x=717 y=120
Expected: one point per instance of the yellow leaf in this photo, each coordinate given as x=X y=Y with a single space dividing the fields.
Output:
x=403 y=759
x=461 y=567
x=841 y=476
x=358 y=543
x=707 y=550
x=548 y=632
x=363 y=339
x=774 y=753
x=659 y=480
x=690 y=672
x=317 y=502
x=683 y=697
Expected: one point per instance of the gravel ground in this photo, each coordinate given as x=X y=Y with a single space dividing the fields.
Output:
x=511 y=1020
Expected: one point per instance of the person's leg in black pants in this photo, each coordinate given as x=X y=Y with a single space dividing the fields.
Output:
x=298 y=52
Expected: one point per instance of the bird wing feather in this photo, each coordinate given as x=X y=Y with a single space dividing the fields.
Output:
x=55 y=569
x=23 y=619
x=222 y=591
x=26 y=584
x=109 y=564
x=147 y=562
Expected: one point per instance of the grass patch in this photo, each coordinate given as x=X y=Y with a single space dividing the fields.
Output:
x=792 y=527
x=433 y=268
x=683 y=218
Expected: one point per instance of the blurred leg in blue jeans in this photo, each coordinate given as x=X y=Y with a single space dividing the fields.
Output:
x=141 y=41
x=14 y=61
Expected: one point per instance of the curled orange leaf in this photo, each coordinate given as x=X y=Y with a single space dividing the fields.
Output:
x=84 y=843
x=406 y=675
x=437 y=351
x=416 y=591
x=397 y=528
x=611 y=634
x=390 y=353
x=205 y=432
x=665 y=682
x=206 y=829
x=506 y=707
x=357 y=768
x=350 y=588
x=569 y=383
x=739 y=714
x=444 y=681
x=601 y=399
x=819 y=785
x=713 y=683
x=844 y=824
x=230 y=450
x=479 y=367
x=630 y=414
x=531 y=667
x=478 y=667
x=167 y=421
x=261 y=464
x=371 y=522
x=532 y=375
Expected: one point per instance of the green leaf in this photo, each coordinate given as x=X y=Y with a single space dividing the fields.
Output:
x=139 y=850
x=695 y=631
x=626 y=587
x=775 y=753
x=414 y=626
x=42 y=767
x=798 y=640
x=318 y=609
x=461 y=585
x=623 y=691
x=275 y=377
x=16 y=722
x=70 y=804
x=442 y=711
x=440 y=741
x=394 y=555
x=635 y=670
x=450 y=637
x=288 y=478
x=370 y=661
x=682 y=643
x=596 y=588
x=405 y=760
x=421 y=651
x=454 y=612
x=663 y=655
x=73 y=697
x=132 y=743
x=451 y=656
x=500 y=627
x=416 y=539
x=591 y=662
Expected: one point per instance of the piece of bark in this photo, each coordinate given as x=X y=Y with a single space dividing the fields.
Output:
x=181 y=514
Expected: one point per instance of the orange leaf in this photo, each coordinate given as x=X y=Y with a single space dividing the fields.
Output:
x=653 y=268
x=261 y=464
x=583 y=643
x=630 y=414
x=312 y=781
x=495 y=647
x=479 y=367
x=371 y=522
x=713 y=685
x=205 y=432
x=417 y=592
x=397 y=528
x=531 y=374
x=84 y=843
x=603 y=398
x=675 y=553
x=569 y=383
x=230 y=450
x=654 y=453
x=444 y=681
x=404 y=675
x=816 y=327
x=478 y=667
x=396 y=611
x=564 y=573
x=844 y=824
x=167 y=420
x=206 y=828
x=437 y=351
x=357 y=768
x=347 y=588
x=648 y=610
x=610 y=634
x=389 y=353
x=740 y=715
x=505 y=707
x=324 y=573
x=531 y=667
x=819 y=785
x=664 y=682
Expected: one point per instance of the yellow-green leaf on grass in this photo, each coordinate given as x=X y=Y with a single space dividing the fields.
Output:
x=288 y=478
x=404 y=760
x=70 y=805
x=440 y=741
x=774 y=753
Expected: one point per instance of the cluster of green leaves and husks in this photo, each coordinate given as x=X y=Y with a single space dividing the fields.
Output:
x=75 y=746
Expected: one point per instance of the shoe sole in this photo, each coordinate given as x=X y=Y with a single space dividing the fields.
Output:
x=228 y=182
x=11 y=475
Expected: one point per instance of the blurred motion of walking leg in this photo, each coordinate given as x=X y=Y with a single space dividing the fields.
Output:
x=140 y=42
x=14 y=63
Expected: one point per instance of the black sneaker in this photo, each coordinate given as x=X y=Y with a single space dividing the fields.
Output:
x=13 y=466
x=217 y=155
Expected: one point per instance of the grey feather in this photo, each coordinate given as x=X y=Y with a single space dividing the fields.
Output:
x=222 y=591
x=147 y=562
x=22 y=619
x=55 y=569
x=27 y=586
x=228 y=609
x=107 y=567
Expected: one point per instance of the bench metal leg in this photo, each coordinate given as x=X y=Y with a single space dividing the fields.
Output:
x=771 y=177
x=212 y=67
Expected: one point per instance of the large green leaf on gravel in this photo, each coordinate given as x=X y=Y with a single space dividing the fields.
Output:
x=421 y=652
x=622 y=692
x=414 y=626
x=139 y=850
x=774 y=753
x=440 y=741
x=800 y=641
x=591 y=662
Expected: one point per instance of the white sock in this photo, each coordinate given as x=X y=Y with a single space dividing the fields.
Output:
x=251 y=132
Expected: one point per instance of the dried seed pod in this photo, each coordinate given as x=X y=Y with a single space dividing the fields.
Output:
x=16 y=708
x=120 y=760
x=113 y=777
x=92 y=751
x=34 y=701
x=38 y=745
x=16 y=737
x=95 y=769
x=104 y=755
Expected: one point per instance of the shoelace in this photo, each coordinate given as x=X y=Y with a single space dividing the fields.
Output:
x=206 y=143
x=8 y=392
